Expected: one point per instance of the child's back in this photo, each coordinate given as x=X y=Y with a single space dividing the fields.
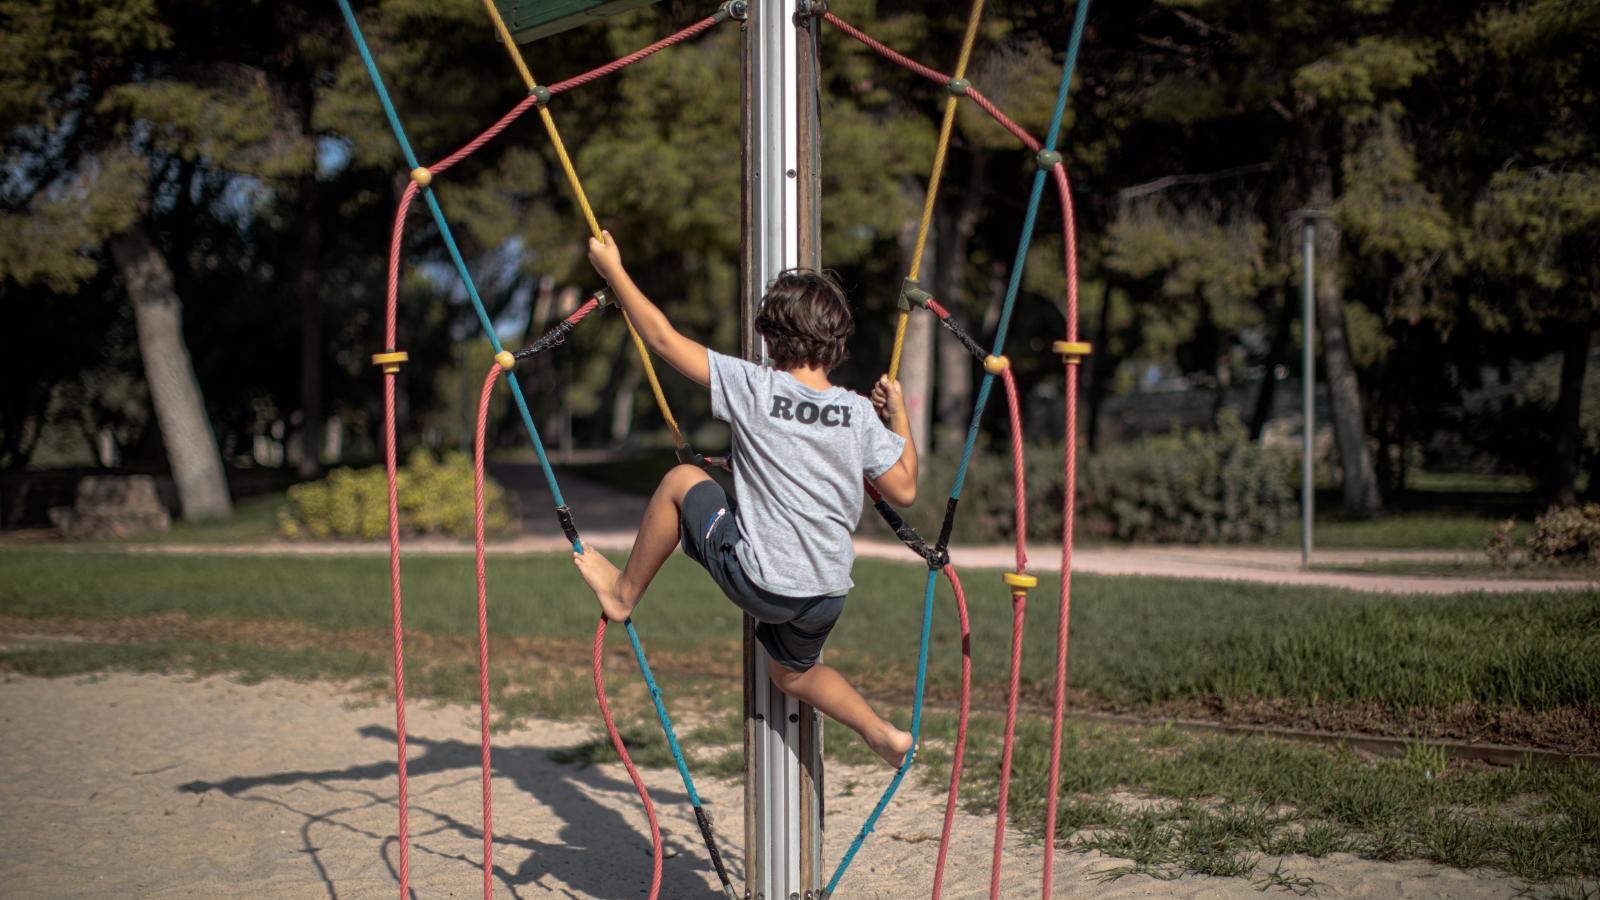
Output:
x=799 y=456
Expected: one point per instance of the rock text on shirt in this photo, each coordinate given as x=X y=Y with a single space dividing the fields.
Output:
x=807 y=413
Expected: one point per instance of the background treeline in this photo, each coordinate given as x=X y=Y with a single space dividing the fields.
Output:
x=197 y=198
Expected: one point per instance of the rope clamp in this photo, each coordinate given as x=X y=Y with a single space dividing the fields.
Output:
x=564 y=516
x=687 y=456
x=1019 y=582
x=959 y=86
x=804 y=9
x=733 y=9
x=390 y=361
x=540 y=94
x=422 y=176
x=1072 y=352
x=506 y=360
x=603 y=298
x=912 y=294
x=1047 y=159
x=994 y=365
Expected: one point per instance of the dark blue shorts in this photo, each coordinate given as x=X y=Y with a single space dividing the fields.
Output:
x=792 y=629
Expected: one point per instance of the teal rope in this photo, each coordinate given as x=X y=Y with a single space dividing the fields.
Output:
x=661 y=713
x=1013 y=288
x=450 y=243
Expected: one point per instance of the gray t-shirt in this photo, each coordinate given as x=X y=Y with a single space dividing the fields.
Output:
x=799 y=455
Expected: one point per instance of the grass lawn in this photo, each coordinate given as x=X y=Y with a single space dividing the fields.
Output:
x=1164 y=801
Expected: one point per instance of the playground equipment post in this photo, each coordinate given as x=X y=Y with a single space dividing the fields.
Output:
x=782 y=230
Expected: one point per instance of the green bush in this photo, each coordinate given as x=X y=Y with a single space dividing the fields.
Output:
x=1185 y=486
x=1190 y=486
x=435 y=498
x=1564 y=535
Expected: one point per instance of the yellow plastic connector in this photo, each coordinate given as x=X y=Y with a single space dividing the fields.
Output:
x=1021 y=580
x=390 y=361
x=422 y=176
x=994 y=365
x=1072 y=352
x=506 y=360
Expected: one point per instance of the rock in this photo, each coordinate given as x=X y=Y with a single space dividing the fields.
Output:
x=113 y=506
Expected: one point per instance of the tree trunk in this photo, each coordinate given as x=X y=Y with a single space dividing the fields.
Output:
x=180 y=410
x=916 y=359
x=954 y=397
x=1360 y=484
x=310 y=334
x=1560 y=485
x=1277 y=354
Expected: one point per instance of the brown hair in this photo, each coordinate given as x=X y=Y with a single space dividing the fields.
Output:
x=805 y=320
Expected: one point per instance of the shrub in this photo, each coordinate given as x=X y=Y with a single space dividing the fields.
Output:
x=1189 y=486
x=435 y=497
x=1563 y=535
x=1185 y=486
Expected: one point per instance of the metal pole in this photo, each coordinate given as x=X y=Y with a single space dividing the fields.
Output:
x=1308 y=387
x=783 y=739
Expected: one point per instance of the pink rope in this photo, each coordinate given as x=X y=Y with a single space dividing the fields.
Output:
x=961 y=729
x=479 y=554
x=635 y=56
x=627 y=762
x=885 y=51
x=1017 y=131
x=391 y=472
x=1070 y=248
x=1019 y=604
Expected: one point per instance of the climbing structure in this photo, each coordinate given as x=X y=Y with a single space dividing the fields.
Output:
x=912 y=298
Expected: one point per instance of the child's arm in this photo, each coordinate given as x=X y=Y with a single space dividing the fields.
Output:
x=687 y=356
x=899 y=484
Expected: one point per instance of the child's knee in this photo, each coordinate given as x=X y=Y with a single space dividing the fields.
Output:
x=681 y=478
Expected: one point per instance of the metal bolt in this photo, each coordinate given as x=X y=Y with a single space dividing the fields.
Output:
x=792 y=173
x=794 y=717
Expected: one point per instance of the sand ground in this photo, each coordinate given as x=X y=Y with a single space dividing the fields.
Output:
x=160 y=786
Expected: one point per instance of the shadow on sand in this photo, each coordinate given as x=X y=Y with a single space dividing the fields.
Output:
x=598 y=852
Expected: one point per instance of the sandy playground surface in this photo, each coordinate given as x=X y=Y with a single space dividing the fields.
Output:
x=159 y=786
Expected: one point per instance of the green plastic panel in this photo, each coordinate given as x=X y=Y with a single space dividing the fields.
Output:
x=530 y=20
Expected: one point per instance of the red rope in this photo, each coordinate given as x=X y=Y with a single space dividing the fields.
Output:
x=635 y=56
x=985 y=104
x=479 y=553
x=391 y=467
x=391 y=471
x=961 y=729
x=529 y=102
x=885 y=51
x=627 y=762
x=1019 y=604
x=1070 y=248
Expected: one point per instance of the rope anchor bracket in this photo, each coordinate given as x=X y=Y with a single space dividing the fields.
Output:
x=912 y=294
x=390 y=361
x=733 y=9
x=805 y=9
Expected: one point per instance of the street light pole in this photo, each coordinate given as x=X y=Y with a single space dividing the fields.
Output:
x=1308 y=387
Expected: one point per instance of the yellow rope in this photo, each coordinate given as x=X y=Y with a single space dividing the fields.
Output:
x=583 y=204
x=945 y=129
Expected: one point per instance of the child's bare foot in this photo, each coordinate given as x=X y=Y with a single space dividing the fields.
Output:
x=892 y=744
x=602 y=576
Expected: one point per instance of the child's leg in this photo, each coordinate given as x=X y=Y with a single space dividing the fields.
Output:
x=620 y=591
x=824 y=688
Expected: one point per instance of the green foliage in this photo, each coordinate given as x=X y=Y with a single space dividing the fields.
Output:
x=435 y=499
x=1191 y=486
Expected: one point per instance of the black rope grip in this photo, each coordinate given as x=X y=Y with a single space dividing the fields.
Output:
x=564 y=514
x=944 y=530
x=909 y=536
x=711 y=846
x=966 y=340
